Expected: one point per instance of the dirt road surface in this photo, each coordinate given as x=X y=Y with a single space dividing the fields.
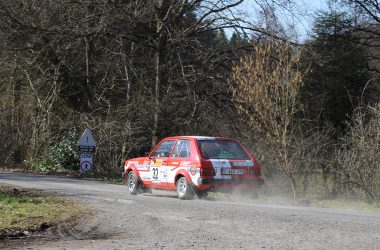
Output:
x=162 y=221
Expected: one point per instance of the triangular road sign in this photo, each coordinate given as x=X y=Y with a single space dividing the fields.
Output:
x=87 y=140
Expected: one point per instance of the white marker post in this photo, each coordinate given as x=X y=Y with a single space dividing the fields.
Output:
x=86 y=148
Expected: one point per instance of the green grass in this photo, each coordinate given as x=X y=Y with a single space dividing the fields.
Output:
x=347 y=204
x=315 y=201
x=28 y=210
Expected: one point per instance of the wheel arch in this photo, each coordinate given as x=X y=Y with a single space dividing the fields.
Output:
x=182 y=173
x=133 y=168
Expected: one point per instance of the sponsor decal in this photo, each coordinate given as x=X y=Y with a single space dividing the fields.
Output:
x=186 y=164
x=142 y=167
x=156 y=162
x=174 y=167
x=133 y=162
x=193 y=170
x=145 y=175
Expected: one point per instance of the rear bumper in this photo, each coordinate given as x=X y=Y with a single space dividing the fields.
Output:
x=257 y=182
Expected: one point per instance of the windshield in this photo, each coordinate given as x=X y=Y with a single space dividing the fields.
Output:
x=222 y=149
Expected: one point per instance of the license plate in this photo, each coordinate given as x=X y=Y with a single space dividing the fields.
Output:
x=232 y=171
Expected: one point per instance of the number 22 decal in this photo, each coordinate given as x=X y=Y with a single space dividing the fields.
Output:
x=155 y=173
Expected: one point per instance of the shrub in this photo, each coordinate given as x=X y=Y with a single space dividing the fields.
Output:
x=360 y=154
x=61 y=156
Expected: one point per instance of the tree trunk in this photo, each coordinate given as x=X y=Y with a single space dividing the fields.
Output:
x=305 y=182
x=324 y=176
x=334 y=191
x=294 y=188
x=157 y=55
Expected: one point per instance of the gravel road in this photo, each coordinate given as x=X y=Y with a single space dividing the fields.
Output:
x=162 y=221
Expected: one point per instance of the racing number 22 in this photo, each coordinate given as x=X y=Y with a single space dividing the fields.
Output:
x=155 y=173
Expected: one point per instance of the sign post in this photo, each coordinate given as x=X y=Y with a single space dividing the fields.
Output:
x=86 y=148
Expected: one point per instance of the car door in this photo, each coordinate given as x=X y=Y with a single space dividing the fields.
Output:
x=159 y=162
x=180 y=157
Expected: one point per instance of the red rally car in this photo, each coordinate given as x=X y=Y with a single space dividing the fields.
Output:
x=194 y=165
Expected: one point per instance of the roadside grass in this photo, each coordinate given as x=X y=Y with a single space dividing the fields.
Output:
x=313 y=191
x=347 y=204
x=341 y=203
x=285 y=199
x=30 y=211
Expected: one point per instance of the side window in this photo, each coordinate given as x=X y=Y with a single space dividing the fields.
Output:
x=163 y=150
x=182 y=149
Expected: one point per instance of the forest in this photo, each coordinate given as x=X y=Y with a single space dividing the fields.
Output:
x=135 y=71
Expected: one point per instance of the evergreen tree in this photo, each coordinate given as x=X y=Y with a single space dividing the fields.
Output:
x=337 y=72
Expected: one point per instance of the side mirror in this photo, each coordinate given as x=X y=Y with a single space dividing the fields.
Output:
x=150 y=157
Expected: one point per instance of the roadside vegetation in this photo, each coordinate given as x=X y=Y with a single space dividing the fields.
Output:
x=307 y=107
x=23 y=212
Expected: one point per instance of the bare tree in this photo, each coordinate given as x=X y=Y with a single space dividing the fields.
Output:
x=265 y=88
x=359 y=156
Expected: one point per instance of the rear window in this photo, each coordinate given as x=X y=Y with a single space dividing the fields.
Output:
x=222 y=149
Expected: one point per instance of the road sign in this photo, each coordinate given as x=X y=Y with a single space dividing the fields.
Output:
x=85 y=164
x=86 y=142
x=86 y=147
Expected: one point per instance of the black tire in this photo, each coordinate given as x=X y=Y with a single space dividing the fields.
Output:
x=143 y=189
x=133 y=183
x=184 y=189
x=202 y=194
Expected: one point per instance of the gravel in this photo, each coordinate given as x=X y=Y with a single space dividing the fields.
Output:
x=162 y=221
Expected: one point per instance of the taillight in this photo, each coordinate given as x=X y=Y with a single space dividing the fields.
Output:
x=258 y=172
x=207 y=172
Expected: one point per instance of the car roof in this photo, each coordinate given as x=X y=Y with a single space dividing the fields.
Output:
x=196 y=137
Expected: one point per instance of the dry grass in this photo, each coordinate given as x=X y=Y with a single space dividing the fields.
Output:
x=22 y=210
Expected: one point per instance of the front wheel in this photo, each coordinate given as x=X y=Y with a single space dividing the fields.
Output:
x=133 y=183
x=184 y=190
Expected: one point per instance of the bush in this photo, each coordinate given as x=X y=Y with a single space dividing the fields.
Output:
x=360 y=154
x=61 y=156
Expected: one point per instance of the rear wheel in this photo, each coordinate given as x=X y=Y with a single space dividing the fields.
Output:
x=184 y=190
x=133 y=183
x=202 y=194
